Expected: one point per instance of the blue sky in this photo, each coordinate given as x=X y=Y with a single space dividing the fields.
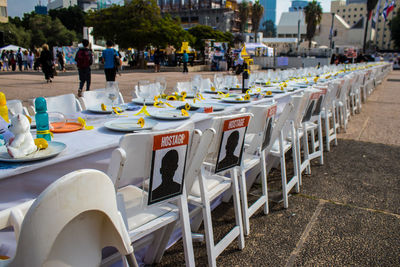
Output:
x=19 y=7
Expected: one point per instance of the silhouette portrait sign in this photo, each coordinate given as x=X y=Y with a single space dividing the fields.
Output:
x=311 y=106
x=268 y=126
x=168 y=166
x=318 y=106
x=231 y=146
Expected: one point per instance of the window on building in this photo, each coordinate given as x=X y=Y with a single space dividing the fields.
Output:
x=355 y=15
x=361 y=9
x=338 y=11
x=344 y=10
x=349 y=16
x=217 y=19
x=355 y=9
x=3 y=11
x=349 y=9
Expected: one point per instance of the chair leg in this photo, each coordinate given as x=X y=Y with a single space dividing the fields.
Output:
x=327 y=130
x=306 y=151
x=295 y=159
x=298 y=149
x=236 y=204
x=283 y=173
x=186 y=231
x=208 y=229
x=245 y=205
x=320 y=138
x=264 y=181
x=334 y=124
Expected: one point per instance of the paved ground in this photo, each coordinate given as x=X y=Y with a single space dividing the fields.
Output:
x=347 y=213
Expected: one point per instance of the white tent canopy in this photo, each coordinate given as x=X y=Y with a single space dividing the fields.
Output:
x=254 y=46
x=12 y=47
x=94 y=47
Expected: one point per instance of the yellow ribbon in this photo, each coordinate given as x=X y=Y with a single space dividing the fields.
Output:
x=141 y=122
x=222 y=95
x=183 y=96
x=194 y=100
x=169 y=105
x=103 y=107
x=200 y=96
x=83 y=122
x=117 y=110
x=45 y=132
x=143 y=111
x=158 y=104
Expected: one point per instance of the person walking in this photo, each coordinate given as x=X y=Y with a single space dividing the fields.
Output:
x=60 y=59
x=185 y=60
x=46 y=62
x=109 y=57
x=84 y=59
x=19 y=59
x=157 y=60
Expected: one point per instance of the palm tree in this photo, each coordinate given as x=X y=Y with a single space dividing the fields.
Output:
x=370 y=7
x=257 y=12
x=244 y=11
x=313 y=13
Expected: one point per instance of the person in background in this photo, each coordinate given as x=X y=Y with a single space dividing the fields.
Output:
x=4 y=59
x=108 y=58
x=12 y=60
x=84 y=59
x=30 y=59
x=185 y=60
x=157 y=59
x=60 y=59
x=25 y=59
x=46 y=61
x=19 y=59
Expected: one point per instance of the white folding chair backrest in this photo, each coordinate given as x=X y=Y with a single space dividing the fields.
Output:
x=280 y=123
x=258 y=125
x=127 y=166
x=299 y=102
x=95 y=98
x=65 y=104
x=311 y=103
x=71 y=221
x=217 y=125
x=15 y=107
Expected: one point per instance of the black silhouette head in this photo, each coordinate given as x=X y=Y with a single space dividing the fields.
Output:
x=169 y=164
x=232 y=142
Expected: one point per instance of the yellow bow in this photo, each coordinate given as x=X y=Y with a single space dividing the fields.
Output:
x=169 y=105
x=222 y=95
x=103 y=107
x=183 y=96
x=143 y=111
x=83 y=122
x=200 y=96
x=117 y=110
x=158 y=104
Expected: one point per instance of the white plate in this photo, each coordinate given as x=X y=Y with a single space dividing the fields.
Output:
x=52 y=150
x=107 y=111
x=171 y=114
x=215 y=92
x=129 y=125
x=215 y=107
x=140 y=101
x=235 y=101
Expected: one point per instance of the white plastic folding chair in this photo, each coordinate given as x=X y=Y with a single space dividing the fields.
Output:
x=210 y=183
x=342 y=108
x=15 y=107
x=95 y=98
x=65 y=104
x=258 y=143
x=328 y=115
x=355 y=94
x=149 y=223
x=69 y=223
x=281 y=146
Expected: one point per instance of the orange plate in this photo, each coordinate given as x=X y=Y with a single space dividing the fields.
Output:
x=60 y=127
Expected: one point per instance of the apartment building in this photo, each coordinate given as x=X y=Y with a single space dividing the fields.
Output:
x=3 y=11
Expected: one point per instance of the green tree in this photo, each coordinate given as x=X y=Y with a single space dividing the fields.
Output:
x=269 y=28
x=52 y=32
x=203 y=32
x=395 y=29
x=244 y=12
x=313 y=14
x=370 y=7
x=170 y=31
x=257 y=12
x=73 y=18
x=15 y=35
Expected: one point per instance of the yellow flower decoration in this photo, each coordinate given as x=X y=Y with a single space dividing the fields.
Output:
x=171 y=97
x=187 y=106
x=282 y=89
x=183 y=96
x=268 y=93
x=258 y=89
x=103 y=107
x=163 y=96
x=237 y=85
x=141 y=122
x=212 y=88
x=316 y=79
x=155 y=98
x=246 y=97
x=184 y=113
x=200 y=96
x=239 y=98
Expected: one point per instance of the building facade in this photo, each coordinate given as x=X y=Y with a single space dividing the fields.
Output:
x=298 y=6
x=269 y=10
x=353 y=11
x=3 y=11
x=85 y=5
x=288 y=26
